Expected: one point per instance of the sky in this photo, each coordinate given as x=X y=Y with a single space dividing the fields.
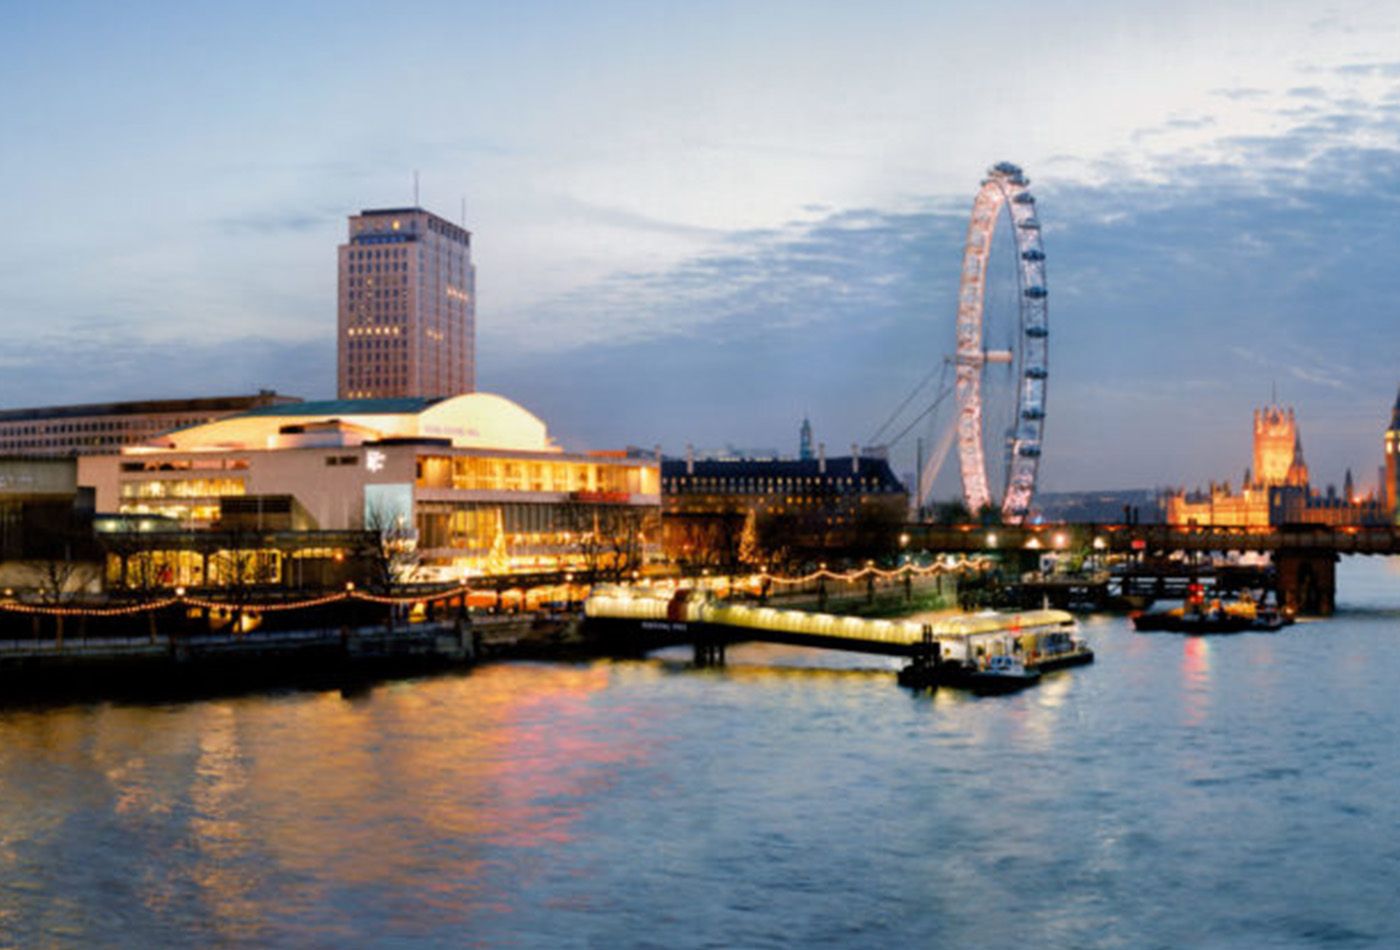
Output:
x=695 y=223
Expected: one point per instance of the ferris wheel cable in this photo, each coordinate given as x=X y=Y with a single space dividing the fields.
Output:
x=875 y=439
x=934 y=465
x=947 y=391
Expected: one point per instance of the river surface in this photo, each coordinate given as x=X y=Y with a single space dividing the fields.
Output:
x=1234 y=791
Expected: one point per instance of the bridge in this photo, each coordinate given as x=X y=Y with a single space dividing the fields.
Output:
x=1304 y=556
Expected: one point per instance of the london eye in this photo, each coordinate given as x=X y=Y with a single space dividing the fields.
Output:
x=1001 y=359
x=999 y=365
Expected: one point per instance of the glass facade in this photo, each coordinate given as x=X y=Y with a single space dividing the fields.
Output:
x=543 y=475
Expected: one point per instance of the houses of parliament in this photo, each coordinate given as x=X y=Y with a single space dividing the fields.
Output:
x=1276 y=490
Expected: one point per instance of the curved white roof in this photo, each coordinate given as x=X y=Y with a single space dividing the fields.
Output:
x=485 y=420
x=471 y=420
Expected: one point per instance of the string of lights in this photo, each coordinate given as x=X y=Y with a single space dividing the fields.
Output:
x=855 y=575
x=56 y=610
x=350 y=593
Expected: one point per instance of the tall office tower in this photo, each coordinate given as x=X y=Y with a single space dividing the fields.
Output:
x=407 y=320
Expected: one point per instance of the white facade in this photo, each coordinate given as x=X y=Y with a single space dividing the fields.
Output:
x=475 y=479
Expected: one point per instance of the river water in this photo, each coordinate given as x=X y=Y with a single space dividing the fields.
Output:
x=1234 y=791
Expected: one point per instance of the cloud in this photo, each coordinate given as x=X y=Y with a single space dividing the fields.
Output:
x=1240 y=93
x=608 y=216
x=277 y=222
x=854 y=264
x=103 y=363
x=1388 y=70
x=1180 y=293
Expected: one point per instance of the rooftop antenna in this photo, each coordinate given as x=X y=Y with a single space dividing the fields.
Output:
x=415 y=188
x=464 y=212
x=1273 y=392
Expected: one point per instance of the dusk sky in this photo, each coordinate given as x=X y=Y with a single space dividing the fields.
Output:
x=697 y=222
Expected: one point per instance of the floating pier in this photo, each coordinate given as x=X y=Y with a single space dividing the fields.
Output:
x=943 y=651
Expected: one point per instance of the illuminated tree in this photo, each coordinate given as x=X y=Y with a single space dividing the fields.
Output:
x=750 y=552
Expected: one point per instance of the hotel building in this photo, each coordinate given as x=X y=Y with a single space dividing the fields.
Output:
x=407 y=307
x=473 y=483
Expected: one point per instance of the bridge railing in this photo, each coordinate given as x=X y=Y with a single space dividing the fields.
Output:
x=1154 y=538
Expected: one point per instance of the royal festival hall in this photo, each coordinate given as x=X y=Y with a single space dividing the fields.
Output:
x=474 y=483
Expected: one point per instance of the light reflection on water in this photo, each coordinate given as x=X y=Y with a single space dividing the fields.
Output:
x=1231 y=791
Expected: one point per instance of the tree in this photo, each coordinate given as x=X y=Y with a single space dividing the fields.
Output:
x=609 y=540
x=750 y=552
x=58 y=565
x=777 y=538
x=389 y=549
x=951 y=512
x=240 y=565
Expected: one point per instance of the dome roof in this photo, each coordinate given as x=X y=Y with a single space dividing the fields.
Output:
x=485 y=420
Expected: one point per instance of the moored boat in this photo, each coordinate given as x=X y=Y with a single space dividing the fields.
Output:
x=1002 y=674
x=1197 y=617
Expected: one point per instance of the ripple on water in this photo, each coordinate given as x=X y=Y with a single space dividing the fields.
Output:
x=1237 y=794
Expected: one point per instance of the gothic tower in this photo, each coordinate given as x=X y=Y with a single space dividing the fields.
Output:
x=1392 y=460
x=1276 y=443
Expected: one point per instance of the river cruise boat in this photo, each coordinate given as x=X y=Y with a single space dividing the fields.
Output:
x=998 y=652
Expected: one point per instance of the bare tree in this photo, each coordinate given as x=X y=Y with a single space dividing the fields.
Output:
x=609 y=540
x=623 y=538
x=390 y=549
x=59 y=567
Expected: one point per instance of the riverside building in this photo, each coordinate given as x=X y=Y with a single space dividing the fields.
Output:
x=1277 y=491
x=813 y=507
x=471 y=485
x=94 y=428
x=407 y=307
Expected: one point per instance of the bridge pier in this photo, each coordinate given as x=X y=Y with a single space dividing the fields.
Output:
x=709 y=651
x=1307 y=581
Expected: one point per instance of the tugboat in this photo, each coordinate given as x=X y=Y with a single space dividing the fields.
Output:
x=1269 y=619
x=1196 y=617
